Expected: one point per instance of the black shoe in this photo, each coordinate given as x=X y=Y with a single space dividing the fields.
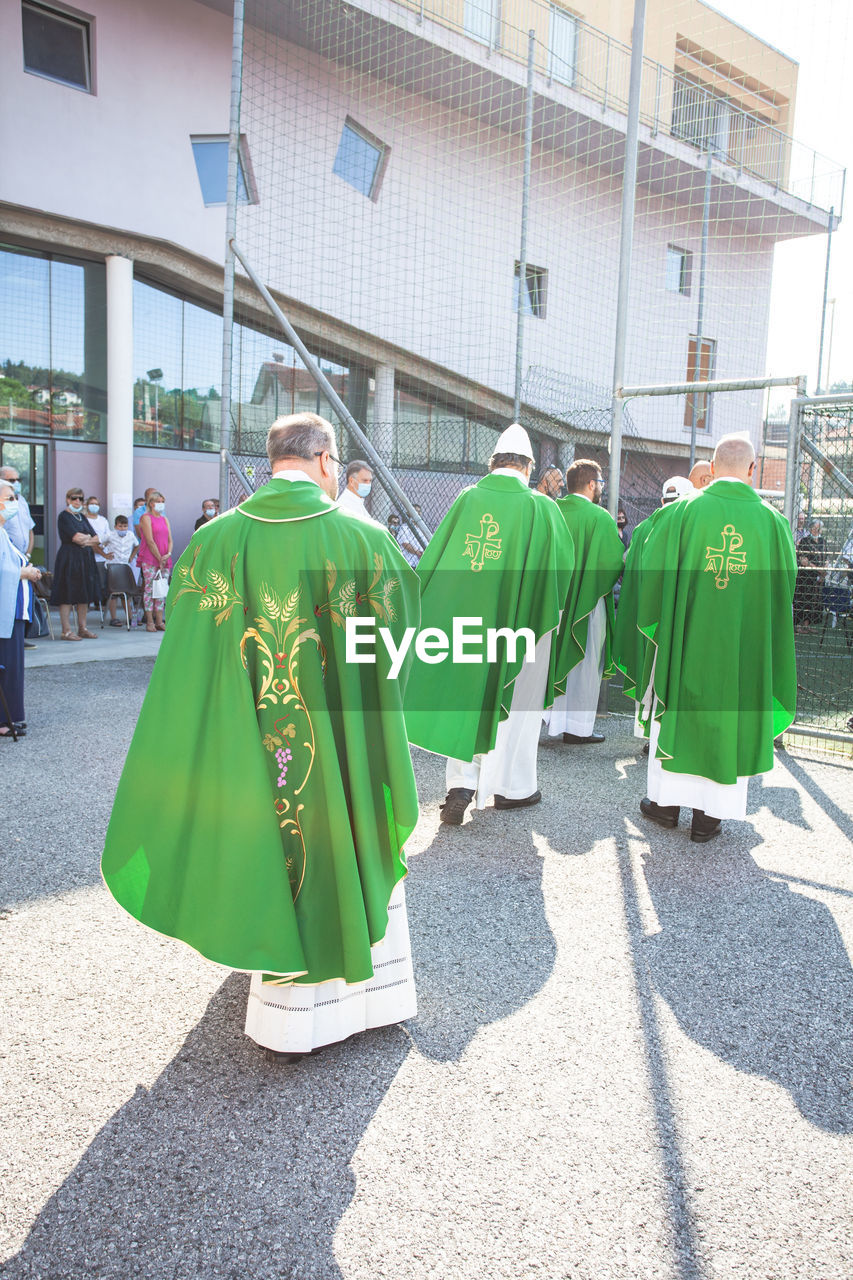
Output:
x=645 y=751
x=574 y=740
x=501 y=802
x=457 y=801
x=704 y=828
x=28 y=644
x=114 y=622
x=273 y=1055
x=665 y=815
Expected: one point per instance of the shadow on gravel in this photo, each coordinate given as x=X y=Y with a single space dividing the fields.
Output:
x=236 y=1166
x=754 y=972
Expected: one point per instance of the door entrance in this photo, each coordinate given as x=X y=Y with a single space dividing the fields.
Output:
x=30 y=460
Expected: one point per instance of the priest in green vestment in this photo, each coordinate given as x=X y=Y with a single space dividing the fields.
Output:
x=584 y=639
x=500 y=562
x=268 y=791
x=629 y=642
x=720 y=682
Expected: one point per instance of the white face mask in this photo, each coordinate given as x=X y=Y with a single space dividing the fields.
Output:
x=159 y=507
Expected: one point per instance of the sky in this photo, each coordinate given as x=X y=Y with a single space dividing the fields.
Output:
x=819 y=35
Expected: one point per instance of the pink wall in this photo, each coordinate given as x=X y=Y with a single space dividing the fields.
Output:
x=185 y=480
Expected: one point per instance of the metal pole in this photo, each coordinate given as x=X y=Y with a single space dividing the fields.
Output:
x=819 y=386
x=626 y=241
x=230 y=235
x=367 y=448
x=700 y=310
x=523 y=294
x=791 y=461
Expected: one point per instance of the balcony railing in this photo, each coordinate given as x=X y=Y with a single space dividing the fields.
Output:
x=571 y=54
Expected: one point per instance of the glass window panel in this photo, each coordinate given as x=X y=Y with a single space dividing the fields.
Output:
x=78 y=338
x=202 y=373
x=674 y=270
x=357 y=160
x=211 y=162
x=24 y=343
x=56 y=45
x=157 y=345
x=562 y=46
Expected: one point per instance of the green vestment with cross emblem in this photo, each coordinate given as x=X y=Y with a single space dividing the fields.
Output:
x=502 y=555
x=268 y=790
x=715 y=601
x=629 y=642
x=598 y=563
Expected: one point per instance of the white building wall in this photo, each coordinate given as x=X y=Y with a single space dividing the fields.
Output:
x=427 y=266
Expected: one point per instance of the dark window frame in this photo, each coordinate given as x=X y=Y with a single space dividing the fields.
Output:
x=72 y=18
x=701 y=366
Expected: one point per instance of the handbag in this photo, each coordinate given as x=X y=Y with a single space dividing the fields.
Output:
x=37 y=624
x=160 y=585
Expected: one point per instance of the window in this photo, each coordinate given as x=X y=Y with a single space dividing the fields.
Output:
x=679 y=265
x=210 y=152
x=699 y=371
x=361 y=159
x=480 y=19
x=562 y=46
x=535 y=293
x=57 y=45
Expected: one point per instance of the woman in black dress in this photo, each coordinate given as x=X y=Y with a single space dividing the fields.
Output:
x=75 y=579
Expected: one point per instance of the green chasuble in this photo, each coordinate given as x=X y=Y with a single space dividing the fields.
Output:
x=268 y=790
x=715 y=599
x=503 y=556
x=598 y=563
x=629 y=643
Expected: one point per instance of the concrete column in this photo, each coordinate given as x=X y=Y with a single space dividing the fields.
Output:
x=119 y=386
x=382 y=433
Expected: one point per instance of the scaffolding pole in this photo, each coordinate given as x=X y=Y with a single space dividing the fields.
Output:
x=700 y=310
x=819 y=386
x=377 y=463
x=523 y=294
x=626 y=244
x=230 y=234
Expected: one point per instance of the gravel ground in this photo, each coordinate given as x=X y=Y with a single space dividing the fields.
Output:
x=633 y=1057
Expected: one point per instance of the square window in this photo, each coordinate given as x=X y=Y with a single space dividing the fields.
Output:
x=57 y=45
x=480 y=20
x=679 y=265
x=361 y=159
x=535 y=293
x=562 y=46
x=210 y=153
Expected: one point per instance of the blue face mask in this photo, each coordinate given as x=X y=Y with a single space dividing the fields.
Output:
x=16 y=486
x=363 y=490
x=122 y=533
x=94 y=508
x=10 y=509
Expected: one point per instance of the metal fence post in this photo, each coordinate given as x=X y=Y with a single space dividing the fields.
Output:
x=700 y=309
x=525 y=211
x=626 y=243
x=791 y=459
x=819 y=386
x=230 y=234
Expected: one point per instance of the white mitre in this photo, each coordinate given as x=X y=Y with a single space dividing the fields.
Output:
x=515 y=440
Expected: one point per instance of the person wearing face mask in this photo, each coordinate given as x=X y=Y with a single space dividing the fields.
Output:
x=278 y=845
x=154 y=556
x=16 y=608
x=75 y=578
x=209 y=509
x=119 y=548
x=359 y=481
x=101 y=525
x=21 y=527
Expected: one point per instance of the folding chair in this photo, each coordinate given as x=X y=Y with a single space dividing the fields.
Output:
x=121 y=581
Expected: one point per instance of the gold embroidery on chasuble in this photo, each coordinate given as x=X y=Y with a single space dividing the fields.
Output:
x=485 y=545
x=727 y=559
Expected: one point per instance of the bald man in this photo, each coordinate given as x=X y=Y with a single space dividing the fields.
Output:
x=701 y=475
x=720 y=678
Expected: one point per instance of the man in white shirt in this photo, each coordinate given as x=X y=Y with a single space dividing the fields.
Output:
x=359 y=481
x=101 y=525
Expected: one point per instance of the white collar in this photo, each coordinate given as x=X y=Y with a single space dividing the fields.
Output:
x=585 y=496
x=509 y=471
x=732 y=479
x=294 y=474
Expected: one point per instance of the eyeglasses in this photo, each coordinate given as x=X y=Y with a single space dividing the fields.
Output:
x=319 y=453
